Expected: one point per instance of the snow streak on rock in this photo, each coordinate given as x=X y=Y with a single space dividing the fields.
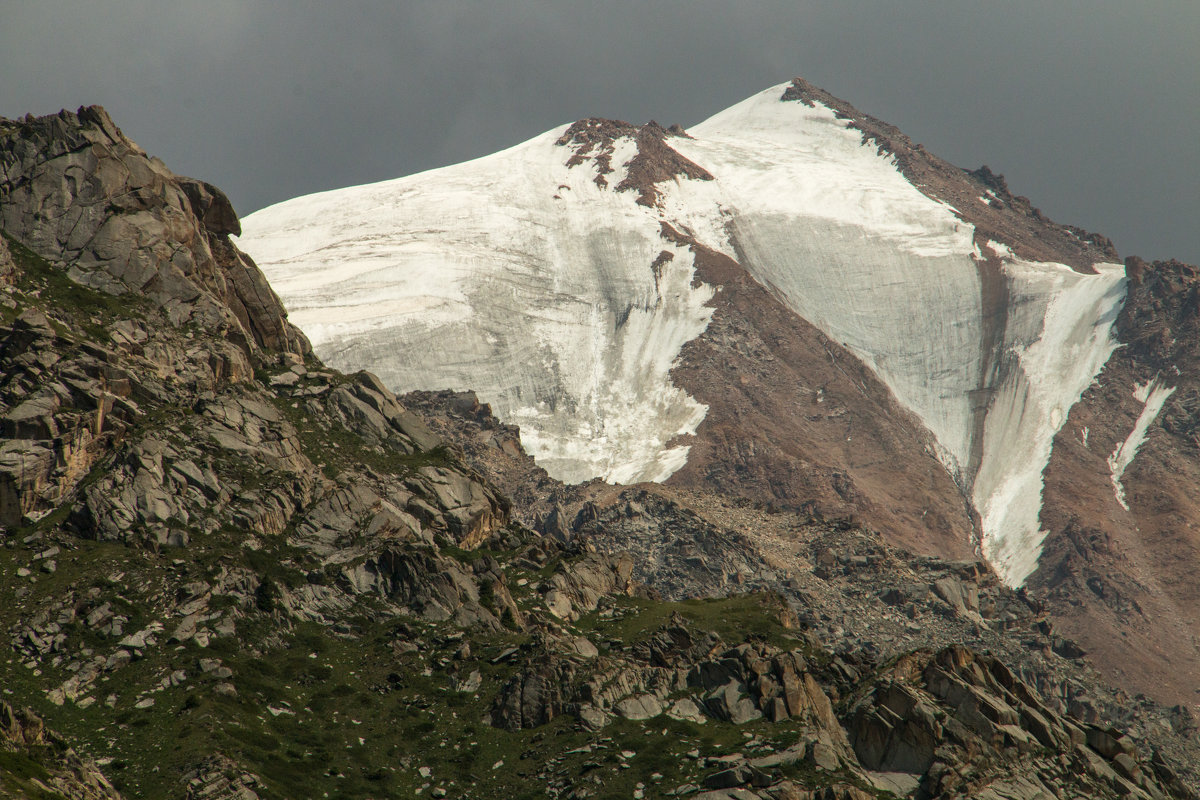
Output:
x=1153 y=397
x=553 y=294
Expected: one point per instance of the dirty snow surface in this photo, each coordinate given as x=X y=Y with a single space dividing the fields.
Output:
x=561 y=304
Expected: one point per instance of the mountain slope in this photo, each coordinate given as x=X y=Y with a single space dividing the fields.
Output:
x=229 y=571
x=552 y=279
x=1120 y=495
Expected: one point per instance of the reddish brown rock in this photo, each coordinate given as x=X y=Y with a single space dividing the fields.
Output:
x=1121 y=581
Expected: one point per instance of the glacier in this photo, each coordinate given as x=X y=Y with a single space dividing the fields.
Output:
x=514 y=276
x=558 y=300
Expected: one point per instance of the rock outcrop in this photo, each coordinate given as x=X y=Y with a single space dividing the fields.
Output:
x=36 y=762
x=80 y=194
x=962 y=723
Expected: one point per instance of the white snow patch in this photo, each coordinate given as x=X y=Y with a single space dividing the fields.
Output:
x=1002 y=250
x=1153 y=397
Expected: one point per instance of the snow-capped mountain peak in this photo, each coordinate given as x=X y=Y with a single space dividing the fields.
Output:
x=558 y=279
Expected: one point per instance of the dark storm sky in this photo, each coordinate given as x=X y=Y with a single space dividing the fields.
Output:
x=1091 y=109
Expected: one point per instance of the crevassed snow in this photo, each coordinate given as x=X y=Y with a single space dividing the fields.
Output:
x=518 y=277
x=512 y=275
x=1152 y=396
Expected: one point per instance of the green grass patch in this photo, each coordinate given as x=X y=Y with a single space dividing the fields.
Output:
x=43 y=285
x=318 y=713
x=735 y=619
x=21 y=766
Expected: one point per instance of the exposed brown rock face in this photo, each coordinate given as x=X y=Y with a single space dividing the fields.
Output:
x=1123 y=581
x=655 y=161
x=76 y=191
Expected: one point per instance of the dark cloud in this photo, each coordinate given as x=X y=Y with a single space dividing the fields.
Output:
x=1090 y=109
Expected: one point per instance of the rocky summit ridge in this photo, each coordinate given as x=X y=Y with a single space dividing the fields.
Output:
x=230 y=571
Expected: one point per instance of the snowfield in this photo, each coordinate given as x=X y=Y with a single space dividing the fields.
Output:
x=522 y=279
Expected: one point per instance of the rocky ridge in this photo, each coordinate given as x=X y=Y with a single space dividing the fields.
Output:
x=980 y=197
x=76 y=189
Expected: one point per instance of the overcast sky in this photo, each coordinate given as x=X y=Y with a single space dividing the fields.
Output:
x=1090 y=108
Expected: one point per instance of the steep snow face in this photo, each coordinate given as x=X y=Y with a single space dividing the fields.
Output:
x=515 y=276
x=1057 y=339
x=854 y=248
x=519 y=277
x=849 y=244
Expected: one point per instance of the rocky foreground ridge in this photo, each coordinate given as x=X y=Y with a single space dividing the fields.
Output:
x=229 y=571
